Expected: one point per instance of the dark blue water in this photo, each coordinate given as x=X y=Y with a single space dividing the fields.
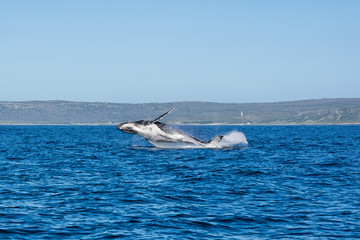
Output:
x=95 y=182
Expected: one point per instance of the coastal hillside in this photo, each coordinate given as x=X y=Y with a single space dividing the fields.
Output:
x=322 y=111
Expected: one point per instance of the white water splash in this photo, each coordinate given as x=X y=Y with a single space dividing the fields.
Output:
x=233 y=138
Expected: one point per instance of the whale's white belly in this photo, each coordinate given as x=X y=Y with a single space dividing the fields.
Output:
x=156 y=135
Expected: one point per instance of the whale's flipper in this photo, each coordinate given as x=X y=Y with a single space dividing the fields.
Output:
x=162 y=116
x=216 y=139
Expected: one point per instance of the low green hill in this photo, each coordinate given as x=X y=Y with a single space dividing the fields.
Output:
x=323 y=111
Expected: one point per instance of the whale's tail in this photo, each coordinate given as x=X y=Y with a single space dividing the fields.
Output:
x=215 y=140
x=228 y=140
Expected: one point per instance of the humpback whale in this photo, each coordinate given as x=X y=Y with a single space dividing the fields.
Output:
x=162 y=135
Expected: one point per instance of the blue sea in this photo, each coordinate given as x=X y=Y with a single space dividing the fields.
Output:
x=95 y=182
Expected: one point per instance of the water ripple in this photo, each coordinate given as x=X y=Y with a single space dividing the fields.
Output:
x=94 y=182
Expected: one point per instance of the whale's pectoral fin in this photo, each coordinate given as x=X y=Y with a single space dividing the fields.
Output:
x=162 y=116
x=216 y=139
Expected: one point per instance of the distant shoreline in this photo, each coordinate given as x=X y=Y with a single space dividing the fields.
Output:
x=183 y=124
x=305 y=112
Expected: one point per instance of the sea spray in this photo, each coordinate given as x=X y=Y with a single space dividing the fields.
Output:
x=233 y=138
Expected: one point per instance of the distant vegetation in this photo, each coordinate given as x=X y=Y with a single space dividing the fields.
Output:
x=323 y=111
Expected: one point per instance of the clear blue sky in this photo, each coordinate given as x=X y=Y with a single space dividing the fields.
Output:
x=161 y=51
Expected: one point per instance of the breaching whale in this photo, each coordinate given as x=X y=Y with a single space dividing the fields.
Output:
x=162 y=135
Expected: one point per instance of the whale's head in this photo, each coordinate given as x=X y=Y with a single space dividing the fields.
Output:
x=132 y=127
x=128 y=127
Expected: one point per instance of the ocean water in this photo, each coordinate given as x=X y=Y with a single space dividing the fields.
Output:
x=95 y=182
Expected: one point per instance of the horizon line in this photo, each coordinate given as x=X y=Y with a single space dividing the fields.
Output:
x=182 y=101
